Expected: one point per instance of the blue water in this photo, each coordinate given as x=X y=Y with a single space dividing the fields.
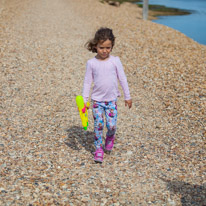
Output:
x=193 y=25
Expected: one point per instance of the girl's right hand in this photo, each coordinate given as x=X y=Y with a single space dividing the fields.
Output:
x=87 y=105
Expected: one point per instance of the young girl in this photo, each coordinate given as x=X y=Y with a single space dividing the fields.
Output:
x=104 y=70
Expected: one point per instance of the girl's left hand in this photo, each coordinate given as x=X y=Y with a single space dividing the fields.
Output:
x=129 y=103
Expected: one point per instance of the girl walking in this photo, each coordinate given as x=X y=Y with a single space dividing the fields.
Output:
x=104 y=70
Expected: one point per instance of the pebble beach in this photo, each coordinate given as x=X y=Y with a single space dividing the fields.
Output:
x=159 y=156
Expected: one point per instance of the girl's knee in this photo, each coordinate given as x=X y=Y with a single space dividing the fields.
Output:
x=98 y=122
x=99 y=126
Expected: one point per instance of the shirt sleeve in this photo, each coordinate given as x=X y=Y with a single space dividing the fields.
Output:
x=122 y=79
x=88 y=79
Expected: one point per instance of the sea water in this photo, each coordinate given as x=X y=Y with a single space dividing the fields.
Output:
x=192 y=25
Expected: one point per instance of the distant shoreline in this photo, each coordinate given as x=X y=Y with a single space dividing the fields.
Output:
x=157 y=10
x=160 y=10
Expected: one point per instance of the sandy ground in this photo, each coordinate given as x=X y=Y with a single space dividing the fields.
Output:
x=45 y=155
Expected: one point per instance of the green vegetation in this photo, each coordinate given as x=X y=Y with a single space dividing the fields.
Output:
x=154 y=10
x=132 y=1
x=122 y=1
x=165 y=11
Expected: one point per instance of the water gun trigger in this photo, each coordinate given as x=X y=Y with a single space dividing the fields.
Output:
x=84 y=109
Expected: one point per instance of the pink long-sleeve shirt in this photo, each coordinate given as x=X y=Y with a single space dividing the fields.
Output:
x=105 y=75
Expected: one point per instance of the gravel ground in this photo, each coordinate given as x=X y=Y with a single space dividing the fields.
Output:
x=159 y=156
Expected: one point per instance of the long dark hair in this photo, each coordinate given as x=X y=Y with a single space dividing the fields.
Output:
x=101 y=35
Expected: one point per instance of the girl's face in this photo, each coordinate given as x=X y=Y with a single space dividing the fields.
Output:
x=104 y=49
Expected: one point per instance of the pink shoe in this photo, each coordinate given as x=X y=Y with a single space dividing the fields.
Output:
x=98 y=155
x=109 y=143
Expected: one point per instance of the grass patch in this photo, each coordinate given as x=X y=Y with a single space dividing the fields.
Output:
x=155 y=10
x=159 y=10
x=122 y=1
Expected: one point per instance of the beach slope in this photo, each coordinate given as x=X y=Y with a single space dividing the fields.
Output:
x=46 y=157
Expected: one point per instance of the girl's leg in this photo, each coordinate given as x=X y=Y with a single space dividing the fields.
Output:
x=98 y=112
x=111 y=123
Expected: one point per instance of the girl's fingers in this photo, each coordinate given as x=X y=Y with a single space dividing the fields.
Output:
x=129 y=103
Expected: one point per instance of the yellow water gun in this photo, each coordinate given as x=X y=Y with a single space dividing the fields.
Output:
x=83 y=111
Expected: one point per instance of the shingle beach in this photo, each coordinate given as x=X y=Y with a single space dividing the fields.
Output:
x=159 y=157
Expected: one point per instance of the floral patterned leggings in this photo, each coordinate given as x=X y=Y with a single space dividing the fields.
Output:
x=109 y=109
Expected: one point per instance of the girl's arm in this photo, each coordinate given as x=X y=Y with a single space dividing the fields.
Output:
x=88 y=79
x=123 y=82
x=122 y=79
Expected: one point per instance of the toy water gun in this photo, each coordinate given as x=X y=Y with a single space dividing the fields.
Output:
x=83 y=111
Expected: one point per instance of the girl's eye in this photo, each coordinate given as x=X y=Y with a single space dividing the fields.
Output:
x=105 y=47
